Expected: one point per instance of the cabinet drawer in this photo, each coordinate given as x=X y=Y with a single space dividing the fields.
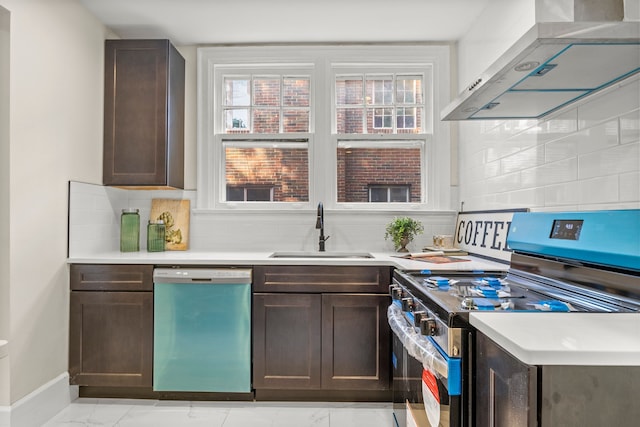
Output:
x=320 y=278
x=105 y=277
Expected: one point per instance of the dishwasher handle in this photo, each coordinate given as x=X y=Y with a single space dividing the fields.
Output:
x=227 y=276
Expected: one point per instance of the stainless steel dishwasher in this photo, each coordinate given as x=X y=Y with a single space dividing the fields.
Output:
x=202 y=330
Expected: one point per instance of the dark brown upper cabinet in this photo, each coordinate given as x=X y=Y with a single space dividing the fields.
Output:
x=143 y=114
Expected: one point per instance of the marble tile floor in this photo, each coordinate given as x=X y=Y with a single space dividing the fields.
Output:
x=161 y=413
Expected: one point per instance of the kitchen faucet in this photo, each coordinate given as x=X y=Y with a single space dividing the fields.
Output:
x=320 y=226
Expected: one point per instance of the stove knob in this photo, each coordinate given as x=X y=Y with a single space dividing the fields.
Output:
x=407 y=304
x=392 y=290
x=417 y=316
x=428 y=326
x=396 y=292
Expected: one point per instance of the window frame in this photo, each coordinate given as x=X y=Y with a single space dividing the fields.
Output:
x=320 y=62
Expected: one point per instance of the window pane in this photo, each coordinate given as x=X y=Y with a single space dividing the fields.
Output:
x=286 y=170
x=409 y=120
x=258 y=194
x=295 y=121
x=380 y=91
x=349 y=91
x=237 y=121
x=393 y=104
x=406 y=118
x=235 y=194
x=237 y=92
x=381 y=118
x=266 y=120
x=296 y=92
x=399 y=194
x=378 y=194
x=266 y=92
x=409 y=90
x=361 y=168
x=349 y=120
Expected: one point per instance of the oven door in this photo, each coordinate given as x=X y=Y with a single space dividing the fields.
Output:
x=426 y=383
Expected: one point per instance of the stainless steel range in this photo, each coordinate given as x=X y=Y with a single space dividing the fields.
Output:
x=586 y=262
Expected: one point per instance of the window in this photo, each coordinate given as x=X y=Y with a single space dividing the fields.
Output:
x=249 y=194
x=389 y=193
x=287 y=127
x=282 y=167
x=262 y=118
x=391 y=107
x=371 y=103
x=266 y=104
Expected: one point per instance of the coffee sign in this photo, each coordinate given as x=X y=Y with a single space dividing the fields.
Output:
x=485 y=233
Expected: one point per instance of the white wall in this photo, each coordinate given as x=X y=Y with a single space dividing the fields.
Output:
x=4 y=199
x=56 y=86
x=501 y=23
x=586 y=157
x=94 y=218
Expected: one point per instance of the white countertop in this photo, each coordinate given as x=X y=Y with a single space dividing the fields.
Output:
x=586 y=339
x=263 y=258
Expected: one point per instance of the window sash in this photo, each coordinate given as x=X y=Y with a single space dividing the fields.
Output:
x=322 y=63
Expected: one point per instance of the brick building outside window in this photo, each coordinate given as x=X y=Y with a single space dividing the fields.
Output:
x=286 y=126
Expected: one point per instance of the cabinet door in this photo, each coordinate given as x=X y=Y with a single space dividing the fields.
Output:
x=143 y=114
x=111 y=338
x=286 y=341
x=506 y=388
x=355 y=342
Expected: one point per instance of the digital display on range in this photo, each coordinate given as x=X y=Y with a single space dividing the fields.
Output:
x=567 y=229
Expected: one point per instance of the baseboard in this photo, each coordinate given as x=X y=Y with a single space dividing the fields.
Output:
x=41 y=405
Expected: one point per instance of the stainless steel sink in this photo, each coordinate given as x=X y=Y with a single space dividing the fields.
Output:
x=300 y=254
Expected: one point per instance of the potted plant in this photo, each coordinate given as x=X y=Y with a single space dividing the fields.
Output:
x=402 y=230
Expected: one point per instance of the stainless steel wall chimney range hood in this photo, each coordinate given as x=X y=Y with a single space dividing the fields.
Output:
x=553 y=65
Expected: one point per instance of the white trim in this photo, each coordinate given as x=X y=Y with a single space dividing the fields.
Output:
x=39 y=406
x=322 y=143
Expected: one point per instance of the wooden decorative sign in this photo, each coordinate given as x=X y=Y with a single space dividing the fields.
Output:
x=485 y=233
x=175 y=214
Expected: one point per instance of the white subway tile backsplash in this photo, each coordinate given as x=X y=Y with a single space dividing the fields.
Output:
x=523 y=160
x=551 y=173
x=502 y=183
x=616 y=160
x=629 y=185
x=586 y=157
x=529 y=197
x=630 y=127
x=561 y=149
x=599 y=137
x=558 y=127
x=562 y=194
x=615 y=102
x=599 y=190
x=500 y=151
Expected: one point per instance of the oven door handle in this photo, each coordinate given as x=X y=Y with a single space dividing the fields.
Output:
x=426 y=351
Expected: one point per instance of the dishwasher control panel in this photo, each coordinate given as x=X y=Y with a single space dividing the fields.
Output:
x=202 y=275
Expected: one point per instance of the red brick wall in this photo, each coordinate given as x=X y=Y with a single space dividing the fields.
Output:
x=358 y=168
x=287 y=170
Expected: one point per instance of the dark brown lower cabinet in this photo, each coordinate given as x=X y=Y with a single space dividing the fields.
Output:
x=286 y=341
x=321 y=331
x=511 y=393
x=111 y=331
x=355 y=342
x=505 y=387
x=320 y=342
